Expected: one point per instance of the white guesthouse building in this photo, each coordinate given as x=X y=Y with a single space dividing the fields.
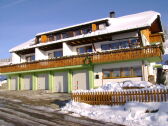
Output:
x=88 y=55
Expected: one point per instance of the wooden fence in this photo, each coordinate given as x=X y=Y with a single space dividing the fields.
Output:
x=121 y=97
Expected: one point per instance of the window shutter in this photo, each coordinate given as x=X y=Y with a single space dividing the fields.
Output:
x=43 y=38
x=94 y=27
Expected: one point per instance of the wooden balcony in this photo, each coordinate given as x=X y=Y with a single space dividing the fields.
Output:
x=156 y=37
x=94 y=58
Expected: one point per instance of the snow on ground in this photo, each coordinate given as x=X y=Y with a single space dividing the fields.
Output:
x=118 y=86
x=3 y=82
x=132 y=114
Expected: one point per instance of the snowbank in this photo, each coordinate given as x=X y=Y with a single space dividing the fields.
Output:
x=3 y=82
x=132 y=114
x=118 y=86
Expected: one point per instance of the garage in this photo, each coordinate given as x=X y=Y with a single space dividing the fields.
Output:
x=27 y=82
x=42 y=82
x=61 y=82
x=80 y=80
x=13 y=84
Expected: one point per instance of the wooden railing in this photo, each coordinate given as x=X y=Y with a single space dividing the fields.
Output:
x=93 y=58
x=121 y=97
x=156 y=38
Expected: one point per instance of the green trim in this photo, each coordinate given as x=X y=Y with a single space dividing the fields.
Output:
x=9 y=82
x=34 y=83
x=69 y=81
x=51 y=81
x=158 y=66
x=91 y=77
x=21 y=83
x=18 y=82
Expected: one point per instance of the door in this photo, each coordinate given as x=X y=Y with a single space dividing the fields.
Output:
x=80 y=80
x=43 y=82
x=61 y=82
x=13 y=85
x=27 y=82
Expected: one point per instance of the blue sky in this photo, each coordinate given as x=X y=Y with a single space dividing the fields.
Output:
x=20 y=20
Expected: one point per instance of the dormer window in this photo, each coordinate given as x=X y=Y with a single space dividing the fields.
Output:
x=77 y=32
x=65 y=35
x=50 y=38
x=87 y=30
x=58 y=36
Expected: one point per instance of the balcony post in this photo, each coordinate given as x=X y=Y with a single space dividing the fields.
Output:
x=34 y=83
x=20 y=82
x=51 y=81
x=69 y=81
x=91 y=77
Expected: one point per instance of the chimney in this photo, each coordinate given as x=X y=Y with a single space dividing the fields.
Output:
x=112 y=14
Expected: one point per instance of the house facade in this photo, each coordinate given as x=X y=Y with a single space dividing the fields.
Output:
x=88 y=55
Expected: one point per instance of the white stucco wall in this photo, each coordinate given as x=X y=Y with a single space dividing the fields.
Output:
x=40 y=54
x=125 y=35
x=15 y=58
x=98 y=71
x=68 y=50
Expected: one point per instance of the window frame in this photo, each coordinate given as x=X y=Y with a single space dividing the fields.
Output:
x=111 y=70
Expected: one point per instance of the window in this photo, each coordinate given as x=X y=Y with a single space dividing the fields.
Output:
x=137 y=71
x=85 y=49
x=134 y=43
x=58 y=54
x=106 y=74
x=87 y=30
x=122 y=72
x=116 y=72
x=50 y=38
x=30 y=58
x=58 y=36
x=105 y=47
x=64 y=35
x=78 y=32
x=50 y=55
x=120 y=45
x=126 y=72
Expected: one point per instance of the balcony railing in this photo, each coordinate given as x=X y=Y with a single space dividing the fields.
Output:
x=156 y=37
x=93 y=58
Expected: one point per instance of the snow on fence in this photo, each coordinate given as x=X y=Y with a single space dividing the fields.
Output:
x=121 y=97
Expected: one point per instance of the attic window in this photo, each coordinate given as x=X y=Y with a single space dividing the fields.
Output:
x=58 y=36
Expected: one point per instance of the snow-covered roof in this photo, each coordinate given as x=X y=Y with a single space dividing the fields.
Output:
x=72 y=26
x=123 y=23
x=24 y=45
